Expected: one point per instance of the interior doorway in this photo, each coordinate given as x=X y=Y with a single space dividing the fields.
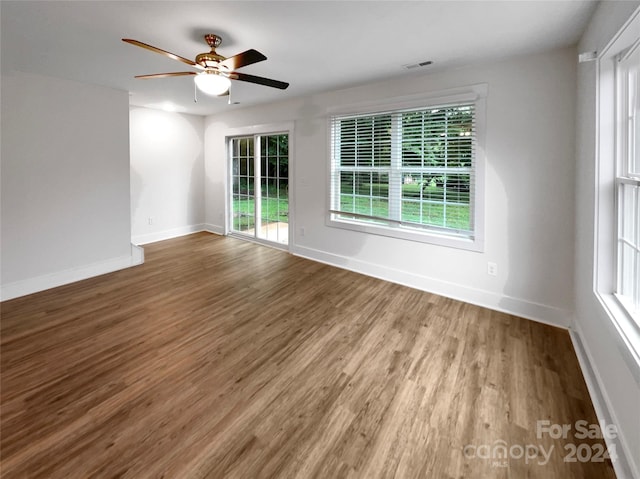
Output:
x=260 y=187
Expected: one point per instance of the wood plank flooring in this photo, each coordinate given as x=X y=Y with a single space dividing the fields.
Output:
x=220 y=358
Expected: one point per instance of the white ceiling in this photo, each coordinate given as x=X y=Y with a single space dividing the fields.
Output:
x=314 y=45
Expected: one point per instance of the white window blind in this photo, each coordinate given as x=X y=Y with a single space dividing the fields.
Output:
x=409 y=169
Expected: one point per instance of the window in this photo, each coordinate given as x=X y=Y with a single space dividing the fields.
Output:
x=628 y=180
x=617 y=206
x=409 y=173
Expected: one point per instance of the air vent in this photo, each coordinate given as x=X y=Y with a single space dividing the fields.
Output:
x=411 y=66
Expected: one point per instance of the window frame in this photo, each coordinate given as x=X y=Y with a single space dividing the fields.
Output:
x=607 y=138
x=624 y=177
x=475 y=94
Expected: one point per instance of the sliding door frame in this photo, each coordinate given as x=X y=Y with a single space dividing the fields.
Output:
x=256 y=131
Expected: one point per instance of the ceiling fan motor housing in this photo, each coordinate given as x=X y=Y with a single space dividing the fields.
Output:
x=210 y=59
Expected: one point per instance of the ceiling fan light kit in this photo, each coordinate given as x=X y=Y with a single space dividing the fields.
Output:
x=212 y=83
x=216 y=71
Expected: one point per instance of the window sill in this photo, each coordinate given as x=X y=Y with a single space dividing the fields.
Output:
x=626 y=305
x=625 y=325
x=426 y=236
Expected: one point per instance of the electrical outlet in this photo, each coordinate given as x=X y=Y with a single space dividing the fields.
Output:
x=492 y=269
x=151 y=220
x=302 y=231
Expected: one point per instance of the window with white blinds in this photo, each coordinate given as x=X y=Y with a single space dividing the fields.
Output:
x=409 y=170
x=628 y=181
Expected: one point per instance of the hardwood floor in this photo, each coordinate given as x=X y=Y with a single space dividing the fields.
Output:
x=220 y=358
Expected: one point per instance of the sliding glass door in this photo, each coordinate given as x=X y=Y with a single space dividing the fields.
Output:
x=260 y=187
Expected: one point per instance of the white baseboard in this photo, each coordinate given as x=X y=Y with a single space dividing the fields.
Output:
x=167 y=234
x=48 y=281
x=137 y=255
x=215 y=229
x=624 y=468
x=518 y=307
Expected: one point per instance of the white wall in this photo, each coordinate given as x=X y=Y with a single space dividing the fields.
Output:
x=65 y=182
x=167 y=174
x=617 y=379
x=529 y=187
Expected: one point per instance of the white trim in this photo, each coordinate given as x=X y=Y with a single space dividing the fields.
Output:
x=427 y=99
x=626 y=332
x=553 y=316
x=293 y=181
x=167 y=234
x=605 y=221
x=215 y=229
x=137 y=255
x=259 y=241
x=262 y=129
x=423 y=235
x=52 y=280
x=623 y=467
x=624 y=35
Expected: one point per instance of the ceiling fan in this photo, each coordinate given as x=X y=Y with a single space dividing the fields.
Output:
x=216 y=71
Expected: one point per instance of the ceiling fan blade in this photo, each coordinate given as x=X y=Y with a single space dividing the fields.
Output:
x=162 y=52
x=243 y=59
x=165 y=75
x=259 y=80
